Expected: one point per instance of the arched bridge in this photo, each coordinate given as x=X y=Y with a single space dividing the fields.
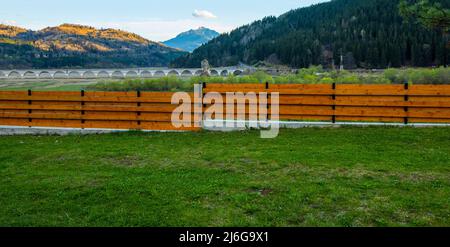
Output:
x=113 y=73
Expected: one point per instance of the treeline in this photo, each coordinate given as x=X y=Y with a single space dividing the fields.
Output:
x=364 y=34
x=75 y=46
x=26 y=56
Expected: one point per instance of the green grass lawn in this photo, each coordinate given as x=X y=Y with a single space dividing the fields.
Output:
x=47 y=85
x=306 y=177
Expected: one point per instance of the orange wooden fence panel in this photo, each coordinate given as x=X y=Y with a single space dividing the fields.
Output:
x=341 y=102
x=153 y=110
x=109 y=110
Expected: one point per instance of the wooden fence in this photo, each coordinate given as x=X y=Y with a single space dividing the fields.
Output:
x=153 y=110
x=343 y=103
x=109 y=110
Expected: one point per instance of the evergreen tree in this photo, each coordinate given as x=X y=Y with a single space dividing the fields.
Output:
x=372 y=30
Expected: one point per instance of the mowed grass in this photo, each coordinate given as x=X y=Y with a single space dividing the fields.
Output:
x=48 y=85
x=306 y=177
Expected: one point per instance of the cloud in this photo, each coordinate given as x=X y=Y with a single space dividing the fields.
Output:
x=203 y=14
x=9 y=22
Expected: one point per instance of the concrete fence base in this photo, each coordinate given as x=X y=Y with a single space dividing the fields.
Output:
x=20 y=130
x=225 y=125
x=218 y=125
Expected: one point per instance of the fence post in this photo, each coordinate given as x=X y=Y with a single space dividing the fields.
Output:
x=267 y=102
x=203 y=93
x=201 y=104
x=30 y=111
x=333 y=118
x=138 y=93
x=82 y=110
x=406 y=87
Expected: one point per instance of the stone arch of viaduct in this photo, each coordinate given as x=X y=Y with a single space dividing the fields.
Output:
x=112 y=73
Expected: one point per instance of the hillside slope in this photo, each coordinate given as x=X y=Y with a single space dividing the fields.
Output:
x=192 y=39
x=369 y=34
x=71 y=45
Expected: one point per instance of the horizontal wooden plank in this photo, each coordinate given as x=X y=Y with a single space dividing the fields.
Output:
x=368 y=100
x=253 y=116
x=379 y=90
x=94 y=124
x=110 y=94
x=370 y=119
x=304 y=118
x=430 y=98
x=363 y=87
x=391 y=101
x=127 y=125
x=41 y=115
x=55 y=123
x=429 y=120
x=13 y=102
x=443 y=113
x=87 y=98
x=236 y=87
x=370 y=111
x=105 y=103
x=243 y=90
x=156 y=117
x=325 y=91
x=233 y=107
x=54 y=93
x=14 y=93
x=398 y=103
x=306 y=110
x=13 y=111
x=165 y=126
x=304 y=100
x=148 y=108
x=430 y=87
x=301 y=86
x=431 y=90
x=14 y=122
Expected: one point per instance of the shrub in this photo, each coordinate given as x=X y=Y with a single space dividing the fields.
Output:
x=311 y=75
x=262 y=76
x=391 y=75
x=348 y=79
x=443 y=75
x=327 y=80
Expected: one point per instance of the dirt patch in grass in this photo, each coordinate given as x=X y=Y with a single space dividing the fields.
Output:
x=126 y=161
x=262 y=192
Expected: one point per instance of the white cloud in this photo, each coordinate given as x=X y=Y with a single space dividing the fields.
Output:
x=203 y=14
x=9 y=22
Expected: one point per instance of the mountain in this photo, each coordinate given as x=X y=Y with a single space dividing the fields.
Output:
x=368 y=34
x=192 y=39
x=77 y=46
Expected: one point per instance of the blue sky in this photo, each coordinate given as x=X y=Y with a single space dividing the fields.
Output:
x=154 y=19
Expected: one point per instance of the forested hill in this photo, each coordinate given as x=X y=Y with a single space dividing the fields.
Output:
x=76 y=46
x=192 y=39
x=369 y=33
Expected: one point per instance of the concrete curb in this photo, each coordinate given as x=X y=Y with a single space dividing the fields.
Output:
x=296 y=125
x=21 y=130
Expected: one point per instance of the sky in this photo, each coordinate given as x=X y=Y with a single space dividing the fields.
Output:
x=157 y=20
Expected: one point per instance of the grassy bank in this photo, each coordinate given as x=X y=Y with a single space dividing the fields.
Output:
x=312 y=75
x=305 y=177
